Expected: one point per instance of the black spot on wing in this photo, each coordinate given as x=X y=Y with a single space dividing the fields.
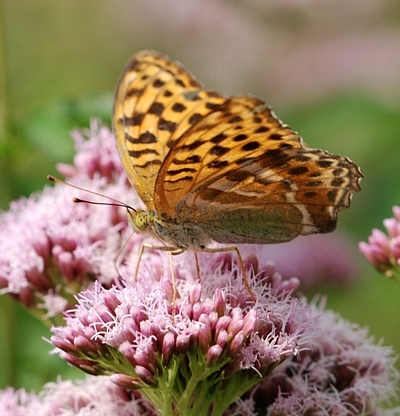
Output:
x=138 y=153
x=302 y=158
x=219 y=150
x=211 y=106
x=208 y=194
x=189 y=160
x=184 y=178
x=156 y=108
x=235 y=119
x=298 y=170
x=191 y=146
x=337 y=182
x=313 y=183
x=194 y=118
x=218 y=138
x=310 y=194
x=274 y=136
x=218 y=164
x=213 y=94
x=178 y=108
x=238 y=175
x=250 y=146
x=171 y=143
x=240 y=137
x=332 y=194
x=158 y=83
x=324 y=163
x=149 y=163
x=261 y=129
x=144 y=138
x=166 y=125
x=134 y=92
x=174 y=172
x=135 y=120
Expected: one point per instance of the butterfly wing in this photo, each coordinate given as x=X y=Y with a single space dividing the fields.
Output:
x=245 y=177
x=155 y=103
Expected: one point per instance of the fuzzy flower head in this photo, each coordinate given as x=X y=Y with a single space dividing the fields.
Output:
x=51 y=248
x=189 y=352
x=383 y=250
x=342 y=372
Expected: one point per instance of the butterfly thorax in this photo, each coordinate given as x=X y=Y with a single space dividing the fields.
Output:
x=171 y=233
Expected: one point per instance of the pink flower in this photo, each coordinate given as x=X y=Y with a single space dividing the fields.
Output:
x=93 y=396
x=51 y=248
x=341 y=373
x=316 y=260
x=146 y=339
x=96 y=156
x=383 y=251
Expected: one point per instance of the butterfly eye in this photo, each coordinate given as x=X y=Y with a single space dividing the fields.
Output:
x=139 y=221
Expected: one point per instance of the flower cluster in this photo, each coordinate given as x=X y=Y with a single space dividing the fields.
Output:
x=175 y=350
x=383 y=251
x=51 y=248
x=96 y=156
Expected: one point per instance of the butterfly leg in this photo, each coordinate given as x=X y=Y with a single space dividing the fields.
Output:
x=196 y=257
x=241 y=264
x=171 y=251
x=171 y=265
x=118 y=261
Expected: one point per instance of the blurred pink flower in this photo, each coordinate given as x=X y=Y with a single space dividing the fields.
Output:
x=288 y=52
x=96 y=156
x=318 y=260
x=94 y=396
x=383 y=251
x=17 y=402
x=51 y=248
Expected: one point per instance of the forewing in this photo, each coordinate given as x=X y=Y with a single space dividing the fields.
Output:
x=245 y=177
x=155 y=103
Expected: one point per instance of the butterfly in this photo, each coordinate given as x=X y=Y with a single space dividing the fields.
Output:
x=215 y=168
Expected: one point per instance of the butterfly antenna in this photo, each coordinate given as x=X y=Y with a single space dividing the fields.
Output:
x=115 y=203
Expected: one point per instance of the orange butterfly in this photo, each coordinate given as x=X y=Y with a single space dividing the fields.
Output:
x=216 y=168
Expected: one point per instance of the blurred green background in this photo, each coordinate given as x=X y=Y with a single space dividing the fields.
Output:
x=330 y=69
